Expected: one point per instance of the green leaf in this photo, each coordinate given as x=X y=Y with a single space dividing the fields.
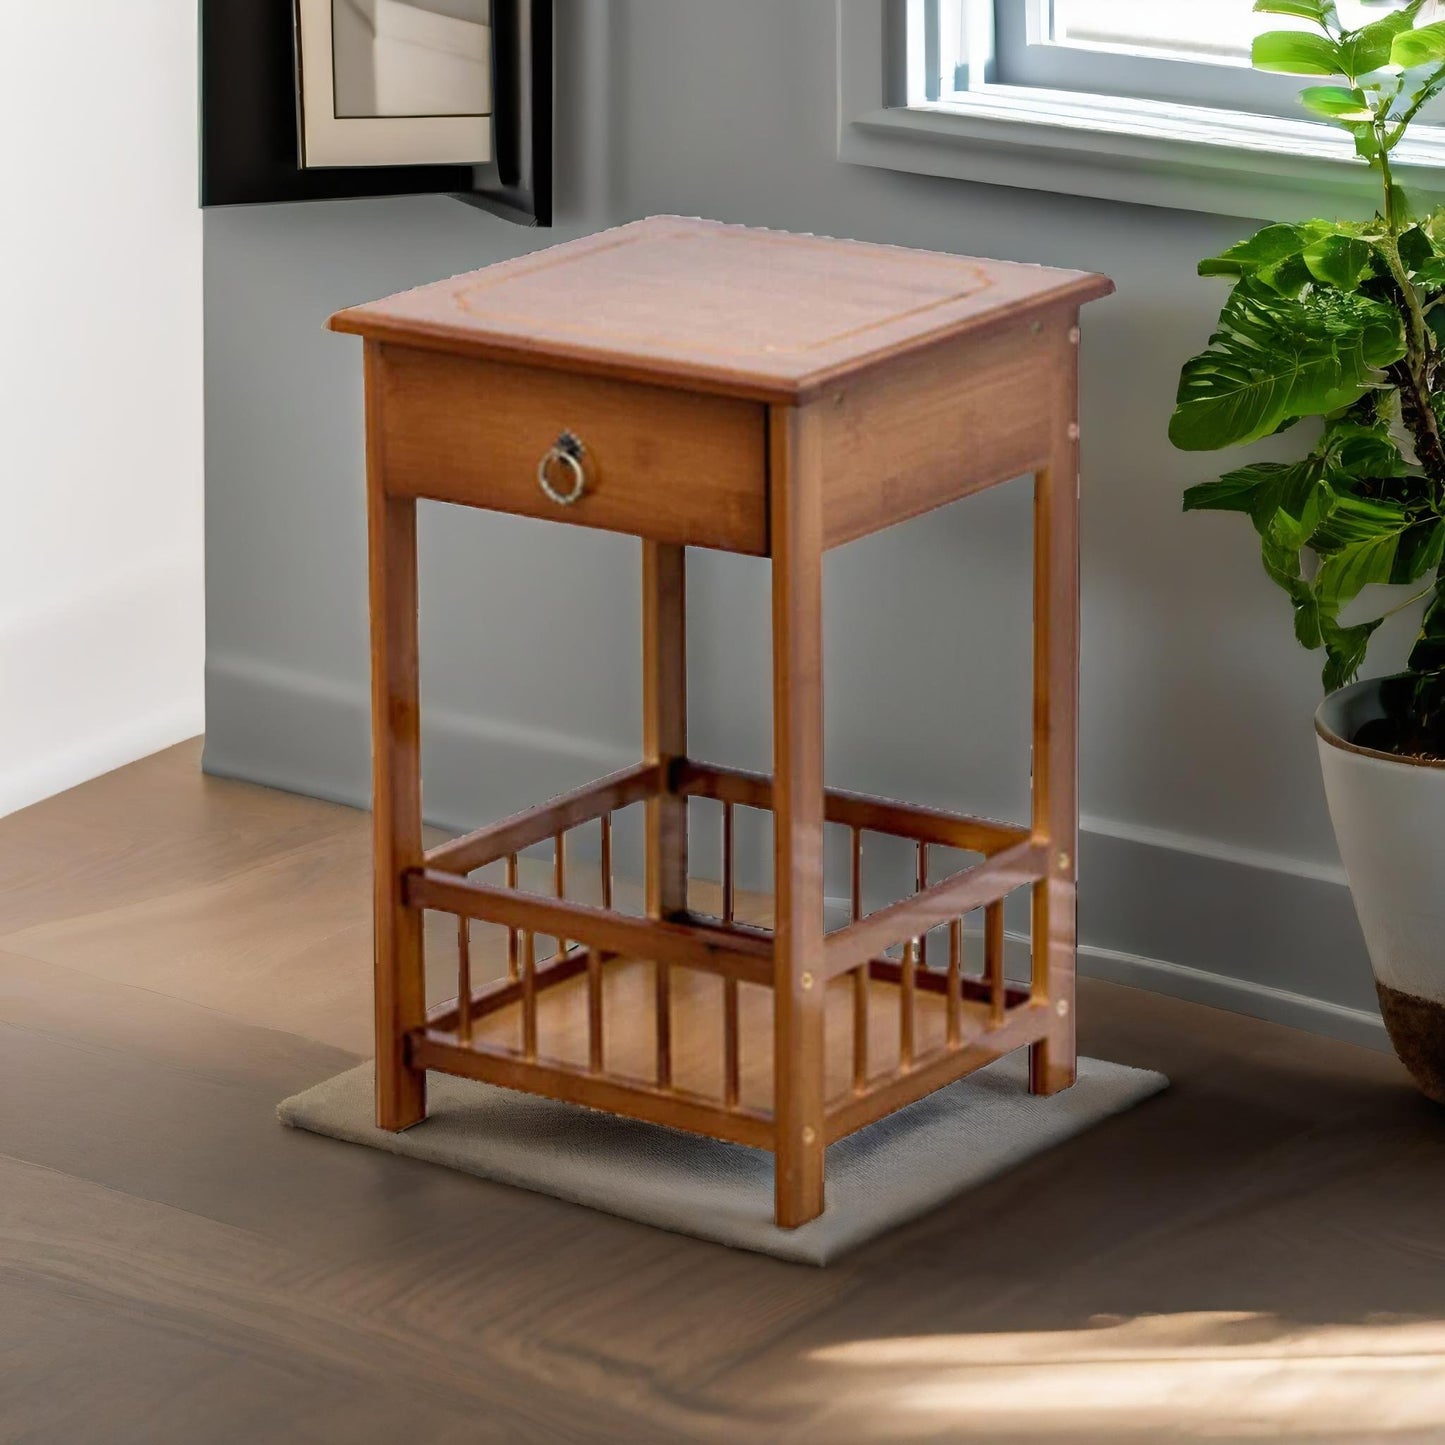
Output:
x=1427 y=663
x=1355 y=450
x=1280 y=553
x=1290 y=277
x=1344 y=574
x=1264 y=248
x=1297 y=503
x=1234 y=492
x=1272 y=493
x=1341 y=261
x=1320 y=11
x=1295 y=52
x=1421 y=548
x=1428 y=653
x=1355 y=520
x=1335 y=102
x=1416 y=247
x=1359 y=543
x=1308 y=622
x=1425 y=46
x=1370 y=47
x=1430 y=274
x=1367 y=142
x=1277 y=254
x=1345 y=649
x=1275 y=359
x=1425 y=713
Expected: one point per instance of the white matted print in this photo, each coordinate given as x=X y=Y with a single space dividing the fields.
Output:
x=394 y=82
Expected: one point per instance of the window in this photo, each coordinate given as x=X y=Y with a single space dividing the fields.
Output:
x=1191 y=52
x=1144 y=100
x=1218 y=29
x=1195 y=52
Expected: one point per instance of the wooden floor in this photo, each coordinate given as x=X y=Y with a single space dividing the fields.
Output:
x=1258 y=1253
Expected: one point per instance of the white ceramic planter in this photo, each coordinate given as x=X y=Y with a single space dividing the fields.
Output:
x=1389 y=817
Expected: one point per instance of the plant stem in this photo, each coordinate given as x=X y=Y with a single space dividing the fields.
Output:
x=1412 y=374
x=1408 y=602
x=1387 y=176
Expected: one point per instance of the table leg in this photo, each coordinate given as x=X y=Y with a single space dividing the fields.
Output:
x=664 y=737
x=396 y=779
x=1052 y=1062
x=798 y=989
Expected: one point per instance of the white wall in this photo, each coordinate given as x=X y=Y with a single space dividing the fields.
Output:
x=101 y=483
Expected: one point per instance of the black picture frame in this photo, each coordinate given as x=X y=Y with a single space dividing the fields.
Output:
x=249 y=148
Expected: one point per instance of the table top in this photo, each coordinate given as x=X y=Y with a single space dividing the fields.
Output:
x=684 y=302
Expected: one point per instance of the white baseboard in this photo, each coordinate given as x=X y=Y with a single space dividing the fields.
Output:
x=1196 y=985
x=1207 y=924
x=57 y=772
x=1235 y=995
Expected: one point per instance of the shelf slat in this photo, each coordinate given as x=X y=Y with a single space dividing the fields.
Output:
x=713 y=950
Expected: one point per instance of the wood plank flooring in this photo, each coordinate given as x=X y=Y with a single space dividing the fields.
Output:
x=1260 y=1252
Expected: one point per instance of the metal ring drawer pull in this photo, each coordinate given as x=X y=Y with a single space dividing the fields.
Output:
x=566 y=452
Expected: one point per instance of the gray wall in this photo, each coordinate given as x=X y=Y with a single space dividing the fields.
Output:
x=1208 y=868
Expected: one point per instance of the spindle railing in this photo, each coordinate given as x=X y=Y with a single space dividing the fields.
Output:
x=524 y=1029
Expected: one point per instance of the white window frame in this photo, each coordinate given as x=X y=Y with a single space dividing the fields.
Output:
x=895 y=112
x=1025 y=53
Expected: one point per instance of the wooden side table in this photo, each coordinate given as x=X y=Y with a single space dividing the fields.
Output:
x=705 y=385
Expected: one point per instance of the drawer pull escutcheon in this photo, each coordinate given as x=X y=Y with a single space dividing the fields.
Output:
x=567 y=453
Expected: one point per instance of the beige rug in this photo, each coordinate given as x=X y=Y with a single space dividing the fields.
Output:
x=886 y=1174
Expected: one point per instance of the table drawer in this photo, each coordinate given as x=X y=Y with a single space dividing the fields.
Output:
x=675 y=466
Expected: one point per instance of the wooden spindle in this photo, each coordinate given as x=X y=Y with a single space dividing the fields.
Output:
x=662 y=976
x=906 y=992
x=860 y=1030
x=529 y=996
x=729 y=886
x=955 y=981
x=607 y=860
x=559 y=878
x=993 y=944
x=856 y=887
x=512 y=957
x=594 y=1011
x=732 y=1073
x=464 y=980
x=922 y=884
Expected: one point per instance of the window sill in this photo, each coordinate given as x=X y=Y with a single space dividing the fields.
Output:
x=1220 y=162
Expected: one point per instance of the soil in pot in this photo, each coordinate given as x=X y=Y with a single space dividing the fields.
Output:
x=1411 y=725
x=1387 y=735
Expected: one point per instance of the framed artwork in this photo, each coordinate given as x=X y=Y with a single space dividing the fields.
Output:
x=394 y=82
x=405 y=97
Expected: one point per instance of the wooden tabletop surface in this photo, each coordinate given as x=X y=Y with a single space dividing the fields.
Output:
x=747 y=312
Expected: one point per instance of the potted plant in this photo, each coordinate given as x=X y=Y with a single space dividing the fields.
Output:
x=1344 y=322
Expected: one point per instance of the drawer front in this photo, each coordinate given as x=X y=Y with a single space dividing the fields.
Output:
x=674 y=466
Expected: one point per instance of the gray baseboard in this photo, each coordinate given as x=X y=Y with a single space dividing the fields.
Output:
x=1236 y=933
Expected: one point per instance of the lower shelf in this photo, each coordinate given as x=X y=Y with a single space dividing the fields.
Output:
x=693 y=1094
x=671 y=1019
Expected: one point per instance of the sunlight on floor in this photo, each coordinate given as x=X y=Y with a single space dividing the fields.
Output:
x=1224 y=1375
